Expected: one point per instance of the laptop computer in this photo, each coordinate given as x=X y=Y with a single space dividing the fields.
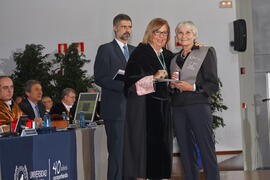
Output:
x=87 y=103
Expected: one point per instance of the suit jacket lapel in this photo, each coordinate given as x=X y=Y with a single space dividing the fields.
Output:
x=30 y=108
x=119 y=53
x=41 y=109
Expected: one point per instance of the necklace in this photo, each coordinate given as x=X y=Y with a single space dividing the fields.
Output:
x=182 y=54
x=161 y=60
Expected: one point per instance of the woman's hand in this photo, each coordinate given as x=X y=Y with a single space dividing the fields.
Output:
x=172 y=85
x=198 y=44
x=175 y=76
x=183 y=86
x=161 y=74
x=38 y=122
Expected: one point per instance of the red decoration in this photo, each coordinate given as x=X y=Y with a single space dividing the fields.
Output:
x=60 y=72
x=80 y=47
x=176 y=43
x=28 y=124
x=62 y=48
x=243 y=70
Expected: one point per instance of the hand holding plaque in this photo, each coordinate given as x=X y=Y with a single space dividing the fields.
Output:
x=160 y=74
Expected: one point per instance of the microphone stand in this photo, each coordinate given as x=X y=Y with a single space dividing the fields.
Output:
x=10 y=126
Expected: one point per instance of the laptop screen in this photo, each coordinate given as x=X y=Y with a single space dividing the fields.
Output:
x=87 y=104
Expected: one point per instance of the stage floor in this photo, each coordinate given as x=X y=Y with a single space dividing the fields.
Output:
x=238 y=175
x=231 y=169
x=245 y=175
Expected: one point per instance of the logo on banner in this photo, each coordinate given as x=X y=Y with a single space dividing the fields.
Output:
x=60 y=171
x=21 y=173
x=38 y=174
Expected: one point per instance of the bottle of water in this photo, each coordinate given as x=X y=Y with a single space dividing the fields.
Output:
x=64 y=115
x=82 y=120
x=47 y=120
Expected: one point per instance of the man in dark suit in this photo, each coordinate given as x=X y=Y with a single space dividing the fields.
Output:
x=66 y=105
x=32 y=105
x=109 y=59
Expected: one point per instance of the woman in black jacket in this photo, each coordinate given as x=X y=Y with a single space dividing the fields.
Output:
x=196 y=68
x=147 y=129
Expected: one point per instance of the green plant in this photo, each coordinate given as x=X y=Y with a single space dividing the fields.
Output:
x=68 y=71
x=31 y=64
x=217 y=106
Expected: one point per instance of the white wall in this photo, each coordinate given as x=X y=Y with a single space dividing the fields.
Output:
x=90 y=21
x=261 y=31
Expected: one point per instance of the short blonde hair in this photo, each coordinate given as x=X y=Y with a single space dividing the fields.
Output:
x=188 y=24
x=153 y=26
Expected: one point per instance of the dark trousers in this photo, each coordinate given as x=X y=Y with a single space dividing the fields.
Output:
x=193 y=124
x=114 y=131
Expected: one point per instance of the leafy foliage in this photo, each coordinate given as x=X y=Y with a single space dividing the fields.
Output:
x=69 y=72
x=31 y=64
x=217 y=106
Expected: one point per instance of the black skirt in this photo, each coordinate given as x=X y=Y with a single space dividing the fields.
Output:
x=147 y=138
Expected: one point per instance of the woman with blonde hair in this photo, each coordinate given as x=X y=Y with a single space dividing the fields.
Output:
x=147 y=129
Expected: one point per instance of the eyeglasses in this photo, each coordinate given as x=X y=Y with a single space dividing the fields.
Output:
x=47 y=102
x=158 y=33
x=72 y=97
x=125 y=27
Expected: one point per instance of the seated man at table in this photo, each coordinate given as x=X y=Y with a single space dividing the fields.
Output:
x=32 y=105
x=66 y=105
x=9 y=110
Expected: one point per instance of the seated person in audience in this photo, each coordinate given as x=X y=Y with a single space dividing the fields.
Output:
x=48 y=103
x=66 y=105
x=9 y=110
x=32 y=105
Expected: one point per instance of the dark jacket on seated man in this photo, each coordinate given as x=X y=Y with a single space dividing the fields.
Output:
x=59 y=108
x=6 y=114
x=28 y=110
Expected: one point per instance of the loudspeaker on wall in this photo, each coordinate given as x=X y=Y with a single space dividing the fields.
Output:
x=240 y=35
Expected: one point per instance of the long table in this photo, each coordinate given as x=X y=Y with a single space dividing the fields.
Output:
x=74 y=154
